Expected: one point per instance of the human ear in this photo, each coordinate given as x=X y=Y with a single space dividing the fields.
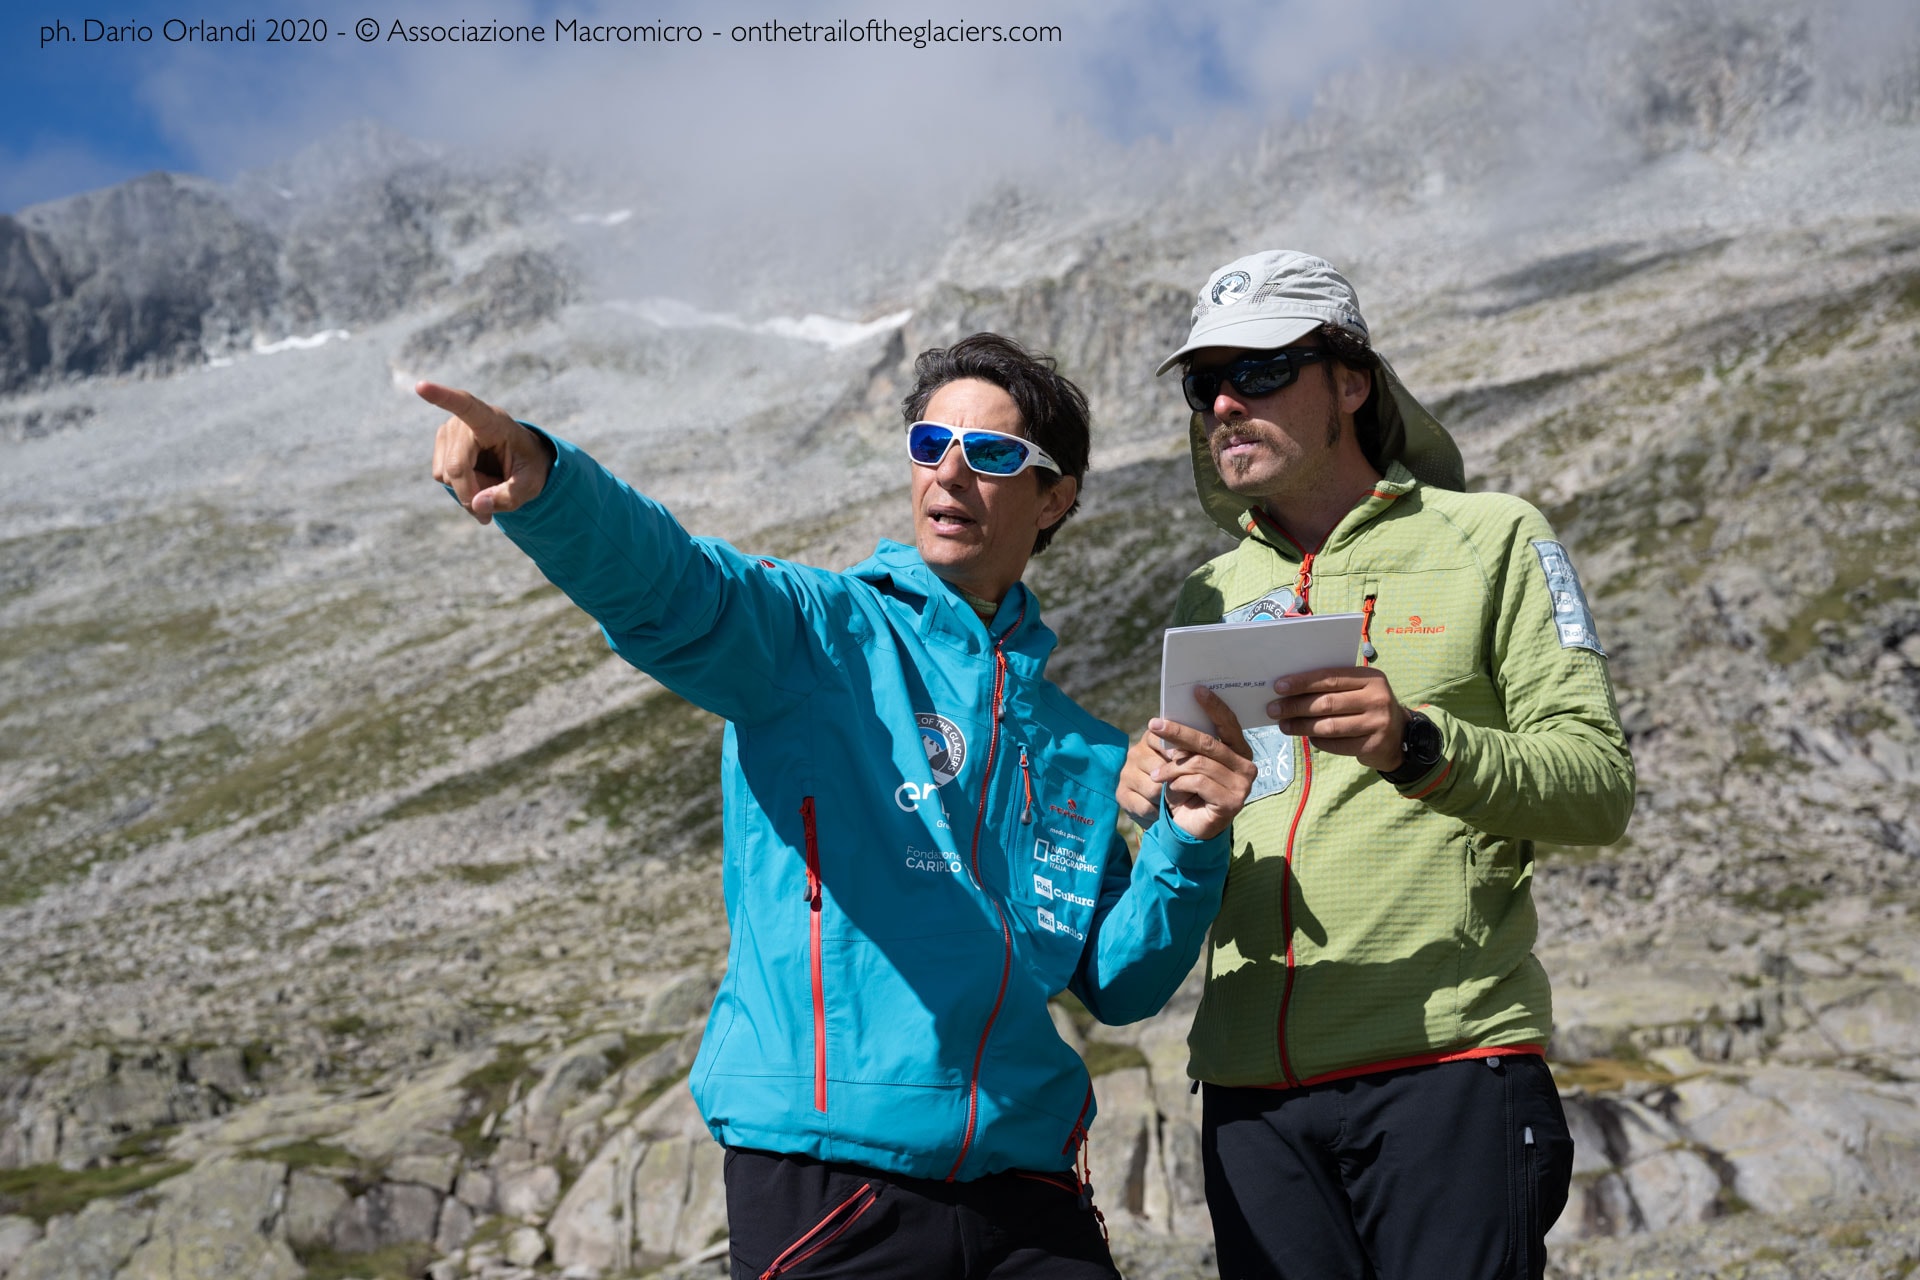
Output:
x=1058 y=500
x=1355 y=385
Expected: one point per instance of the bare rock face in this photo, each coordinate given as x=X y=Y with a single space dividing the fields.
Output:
x=151 y=269
x=223 y=1218
x=91 y=1245
x=162 y=272
x=314 y=1202
x=387 y=1214
x=17 y=1234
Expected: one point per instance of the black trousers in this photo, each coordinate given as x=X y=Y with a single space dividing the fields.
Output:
x=794 y=1216
x=1447 y=1172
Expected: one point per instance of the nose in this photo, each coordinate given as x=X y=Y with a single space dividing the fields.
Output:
x=952 y=471
x=1226 y=405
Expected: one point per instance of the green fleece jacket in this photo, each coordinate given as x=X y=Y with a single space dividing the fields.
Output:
x=1365 y=924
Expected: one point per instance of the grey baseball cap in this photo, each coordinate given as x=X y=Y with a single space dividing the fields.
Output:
x=1277 y=296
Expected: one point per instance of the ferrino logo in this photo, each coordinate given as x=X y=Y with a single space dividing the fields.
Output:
x=1072 y=813
x=1415 y=627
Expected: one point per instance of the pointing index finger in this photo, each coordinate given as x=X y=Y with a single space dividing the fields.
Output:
x=487 y=422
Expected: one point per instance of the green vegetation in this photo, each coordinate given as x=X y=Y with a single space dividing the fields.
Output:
x=84 y=808
x=1870 y=570
x=310 y=1153
x=655 y=758
x=633 y=1048
x=1788 y=899
x=1848 y=1235
x=143 y=1145
x=40 y=1191
x=485 y=873
x=1608 y=1075
x=1103 y=1057
x=395 y=1262
x=488 y=1091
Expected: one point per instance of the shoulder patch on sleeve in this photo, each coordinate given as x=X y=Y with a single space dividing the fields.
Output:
x=1571 y=613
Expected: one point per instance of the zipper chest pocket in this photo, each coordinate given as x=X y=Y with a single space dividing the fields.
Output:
x=814 y=904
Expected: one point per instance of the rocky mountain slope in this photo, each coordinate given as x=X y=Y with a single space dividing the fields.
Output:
x=358 y=913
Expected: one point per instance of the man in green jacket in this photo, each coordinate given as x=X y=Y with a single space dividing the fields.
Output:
x=1372 y=1035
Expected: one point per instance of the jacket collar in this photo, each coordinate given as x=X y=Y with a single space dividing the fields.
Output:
x=945 y=617
x=1255 y=523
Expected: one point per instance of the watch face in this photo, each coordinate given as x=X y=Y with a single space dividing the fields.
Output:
x=1422 y=740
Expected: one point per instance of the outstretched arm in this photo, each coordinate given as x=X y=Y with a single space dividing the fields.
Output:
x=725 y=631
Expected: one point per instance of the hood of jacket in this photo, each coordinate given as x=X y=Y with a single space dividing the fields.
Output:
x=1409 y=435
x=945 y=615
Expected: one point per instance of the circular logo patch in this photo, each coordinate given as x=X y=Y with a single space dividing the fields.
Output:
x=946 y=746
x=1278 y=604
x=1229 y=287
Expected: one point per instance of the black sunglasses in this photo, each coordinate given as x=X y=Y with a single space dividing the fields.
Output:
x=1260 y=375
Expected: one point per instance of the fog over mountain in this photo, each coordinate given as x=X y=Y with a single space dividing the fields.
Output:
x=359 y=914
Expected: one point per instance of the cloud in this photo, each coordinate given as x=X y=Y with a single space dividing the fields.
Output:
x=745 y=148
x=48 y=168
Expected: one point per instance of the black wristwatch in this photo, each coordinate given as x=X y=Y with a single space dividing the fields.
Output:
x=1419 y=750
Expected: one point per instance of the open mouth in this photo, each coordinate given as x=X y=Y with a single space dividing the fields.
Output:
x=949 y=519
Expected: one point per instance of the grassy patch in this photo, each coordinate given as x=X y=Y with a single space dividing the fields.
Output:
x=1608 y=1075
x=488 y=1090
x=649 y=757
x=485 y=873
x=41 y=1191
x=653 y=1091
x=1103 y=1057
x=310 y=1153
x=395 y=1262
x=633 y=1048
x=1868 y=572
x=144 y=1145
x=95 y=815
x=1848 y=1235
x=1786 y=899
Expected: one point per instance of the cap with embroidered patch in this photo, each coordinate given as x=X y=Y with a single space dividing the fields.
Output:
x=1266 y=300
x=1278 y=296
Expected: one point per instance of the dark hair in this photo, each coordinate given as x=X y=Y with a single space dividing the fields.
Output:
x=1053 y=412
x=1351 y=350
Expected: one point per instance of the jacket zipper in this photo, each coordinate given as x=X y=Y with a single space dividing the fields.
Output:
x=1302 y=586
x=1286 y=908
x=848 y=1212
x=1006 y=930
x=1026 y=781
x=1079 y=1134
x=814 y=905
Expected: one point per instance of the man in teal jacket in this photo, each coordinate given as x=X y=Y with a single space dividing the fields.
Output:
x=920 y=831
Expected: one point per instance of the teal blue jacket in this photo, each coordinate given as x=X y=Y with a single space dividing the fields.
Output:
x=921 y=842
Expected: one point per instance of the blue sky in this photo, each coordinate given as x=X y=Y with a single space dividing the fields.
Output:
x=85 y=114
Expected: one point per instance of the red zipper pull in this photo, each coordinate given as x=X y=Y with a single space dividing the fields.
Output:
x=1026 y=777
x=813 y=852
